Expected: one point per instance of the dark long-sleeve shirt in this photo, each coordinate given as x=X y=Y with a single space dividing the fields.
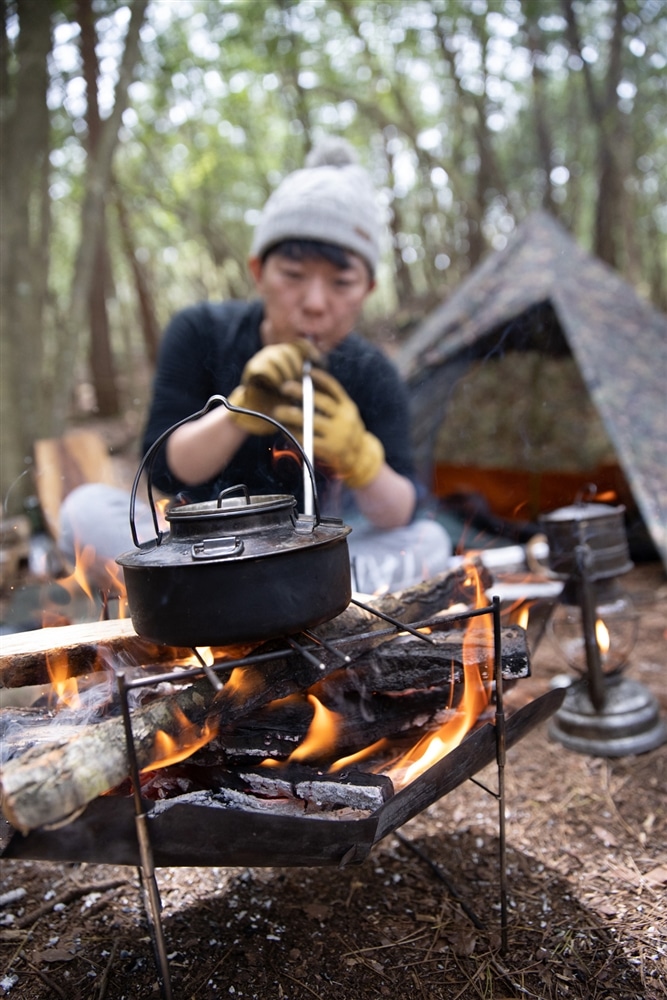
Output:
x=203 y=353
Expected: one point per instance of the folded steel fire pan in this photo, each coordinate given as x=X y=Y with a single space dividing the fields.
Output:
x=195 y=830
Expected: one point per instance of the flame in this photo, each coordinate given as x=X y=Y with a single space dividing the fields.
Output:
x=476 y=694
x=87 y=568
x=65 y=688
x=354 y=758
x=518 y=613
x=117 y=587
x=321 y=735
x=170 y=749
x=602 y=636
x=78 y=579
x=243 y=681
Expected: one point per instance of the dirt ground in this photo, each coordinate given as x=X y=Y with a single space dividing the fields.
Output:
x=586 y=874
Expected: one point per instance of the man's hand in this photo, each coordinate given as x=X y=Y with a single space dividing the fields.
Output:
x=340 y=438
x=263 y=379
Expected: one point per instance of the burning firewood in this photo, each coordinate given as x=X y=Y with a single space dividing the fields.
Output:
x=51 y=783
x=398 y=686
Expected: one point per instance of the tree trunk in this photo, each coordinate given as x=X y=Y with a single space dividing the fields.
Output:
x=150 y=327
x=611 y=191
x=608 y=235
x=541 y=118
x=98 y=174
x=23 y=256
x=101 y=354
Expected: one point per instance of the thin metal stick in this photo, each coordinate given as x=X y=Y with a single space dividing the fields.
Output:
x=152 y=902
x=393 y=621
x=330 y=648
x=214 y=680
x=500 y=758
x=306 y=653
x=308 y=412
x=438 y=872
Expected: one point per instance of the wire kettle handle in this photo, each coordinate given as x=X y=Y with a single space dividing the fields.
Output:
x=149 y=458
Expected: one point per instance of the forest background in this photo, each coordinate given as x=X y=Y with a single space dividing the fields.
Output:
x=141 y=140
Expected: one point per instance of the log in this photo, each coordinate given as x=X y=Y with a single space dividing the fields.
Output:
x=453 y=588
x=24 y=656
x=388 y=690
x=85 y=648
x=50 y=783
x=298 y=790
x=275 y=734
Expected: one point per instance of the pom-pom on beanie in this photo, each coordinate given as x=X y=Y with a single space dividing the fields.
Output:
x=332 y=200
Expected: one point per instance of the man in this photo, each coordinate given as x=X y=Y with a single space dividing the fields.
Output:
x=313 y=261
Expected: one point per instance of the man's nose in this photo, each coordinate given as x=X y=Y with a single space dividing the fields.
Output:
x=314 y=296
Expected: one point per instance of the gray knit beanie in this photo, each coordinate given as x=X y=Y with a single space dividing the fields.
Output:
x=332 y=200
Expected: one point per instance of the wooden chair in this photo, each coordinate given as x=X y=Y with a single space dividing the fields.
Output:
x=61 y=464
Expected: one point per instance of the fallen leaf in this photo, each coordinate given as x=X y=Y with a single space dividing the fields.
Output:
x=463 y=942
x=607 y=838
x=317 y=911
x=649 y=822
x=657 y=876
x=52 y=955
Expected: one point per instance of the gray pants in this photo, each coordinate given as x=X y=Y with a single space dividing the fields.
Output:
x=95 y=520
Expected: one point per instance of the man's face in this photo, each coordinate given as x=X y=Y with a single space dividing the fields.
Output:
x=310 y=298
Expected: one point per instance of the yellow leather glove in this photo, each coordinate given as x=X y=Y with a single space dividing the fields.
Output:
x=340 y=438
x=263 y=379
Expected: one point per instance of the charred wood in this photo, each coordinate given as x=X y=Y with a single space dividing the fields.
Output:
x=361 y=722
x=454 y=588
x=294 y=789
x=50 y=783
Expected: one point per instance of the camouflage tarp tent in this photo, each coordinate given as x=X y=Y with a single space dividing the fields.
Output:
x=543 y=292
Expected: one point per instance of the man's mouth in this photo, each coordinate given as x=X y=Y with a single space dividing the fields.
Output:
x=314 y=338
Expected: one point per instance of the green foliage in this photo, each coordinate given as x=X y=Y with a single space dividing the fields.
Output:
x=468 y=114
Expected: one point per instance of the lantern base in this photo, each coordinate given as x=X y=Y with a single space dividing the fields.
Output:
x=628 y=724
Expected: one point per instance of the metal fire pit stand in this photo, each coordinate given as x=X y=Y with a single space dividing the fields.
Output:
x=146 y=869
